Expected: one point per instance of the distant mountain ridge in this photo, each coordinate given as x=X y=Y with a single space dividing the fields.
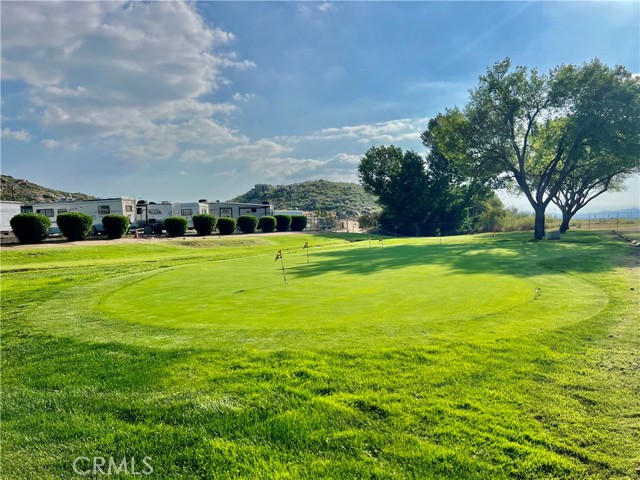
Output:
x=313 y=195
x=16 y=189
x=626 y=213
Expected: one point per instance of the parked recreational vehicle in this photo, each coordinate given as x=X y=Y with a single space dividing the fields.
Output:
x=188 y=210
x=7 y=211
x=153 y=214
x=234 y=210
x=95 y=208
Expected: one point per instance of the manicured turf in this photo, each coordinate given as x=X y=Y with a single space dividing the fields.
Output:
x=470 y=357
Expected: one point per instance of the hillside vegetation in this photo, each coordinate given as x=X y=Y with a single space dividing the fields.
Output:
x=19 y=190
x=313 y=195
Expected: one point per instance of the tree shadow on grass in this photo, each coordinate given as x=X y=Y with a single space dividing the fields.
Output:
x=521 y=259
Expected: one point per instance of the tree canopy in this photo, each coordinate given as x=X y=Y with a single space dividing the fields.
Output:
x=421 y=196
x=563 y=137
x=539 y=131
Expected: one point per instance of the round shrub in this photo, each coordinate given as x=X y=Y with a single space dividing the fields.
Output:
x=175 y=226
x=283 y=222
x=75 y=225
x=267 y=224
x=298 y=223
x=226 y=226
x=30 y=227
x=204 y=223
x=115 y=226
x=247 y=223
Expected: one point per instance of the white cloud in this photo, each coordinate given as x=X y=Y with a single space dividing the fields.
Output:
x=130 y=75
x=310 y=9
x=20 y=135
x=261 y=149
x=242 y=97
x=284 y=167
x=200 y=156
x=384 y=132
x=339 y=167
x=326 y=7
x=291 y=158
x=50 y=143
x=393 y=130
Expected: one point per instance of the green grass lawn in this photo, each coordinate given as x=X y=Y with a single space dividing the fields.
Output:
x=466 y=357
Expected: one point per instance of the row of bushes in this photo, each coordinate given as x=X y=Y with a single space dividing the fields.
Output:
x=204 y=224
x=33 y=227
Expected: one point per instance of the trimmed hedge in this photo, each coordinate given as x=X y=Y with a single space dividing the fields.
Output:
x=226 y=226
x=283 y=222
x=115 y=226
x=298 y=223
x=247 y=223
x=175 y=226
x=30 y=227
x=267 y=224
x=204 y=223
x=75 y=225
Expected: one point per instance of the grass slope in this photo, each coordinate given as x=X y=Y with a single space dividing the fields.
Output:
x=471 y=359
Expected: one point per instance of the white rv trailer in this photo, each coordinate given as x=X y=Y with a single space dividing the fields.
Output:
x=188 y=210
x=235 y=210
x=153 y=214
x=95 y=208
x=7 y=211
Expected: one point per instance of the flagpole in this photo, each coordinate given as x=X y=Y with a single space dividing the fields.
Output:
x=284 y=275
x=281 y=257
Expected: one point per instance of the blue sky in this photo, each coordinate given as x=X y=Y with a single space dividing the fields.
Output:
x=180 y=101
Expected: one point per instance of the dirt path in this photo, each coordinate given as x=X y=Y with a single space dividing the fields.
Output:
x=143 y=239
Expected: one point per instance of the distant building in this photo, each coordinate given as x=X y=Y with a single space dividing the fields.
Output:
x=289 y=212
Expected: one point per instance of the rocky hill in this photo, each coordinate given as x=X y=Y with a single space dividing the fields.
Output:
x=26 y=192
x=314 y=195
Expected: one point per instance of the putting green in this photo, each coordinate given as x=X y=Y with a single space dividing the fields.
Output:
x=404 y=294
x=252 y=294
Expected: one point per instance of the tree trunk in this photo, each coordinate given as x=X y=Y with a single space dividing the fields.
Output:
x=566 y=218
x=539 y=225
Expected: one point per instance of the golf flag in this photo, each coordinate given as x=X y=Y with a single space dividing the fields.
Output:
x=281 y=258
x=306 y=245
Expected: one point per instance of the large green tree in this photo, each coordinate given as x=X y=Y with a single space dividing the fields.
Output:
x=423 y=196
x=457 y=191
x=534 y=129
x=398 y=179
x=586 y=184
